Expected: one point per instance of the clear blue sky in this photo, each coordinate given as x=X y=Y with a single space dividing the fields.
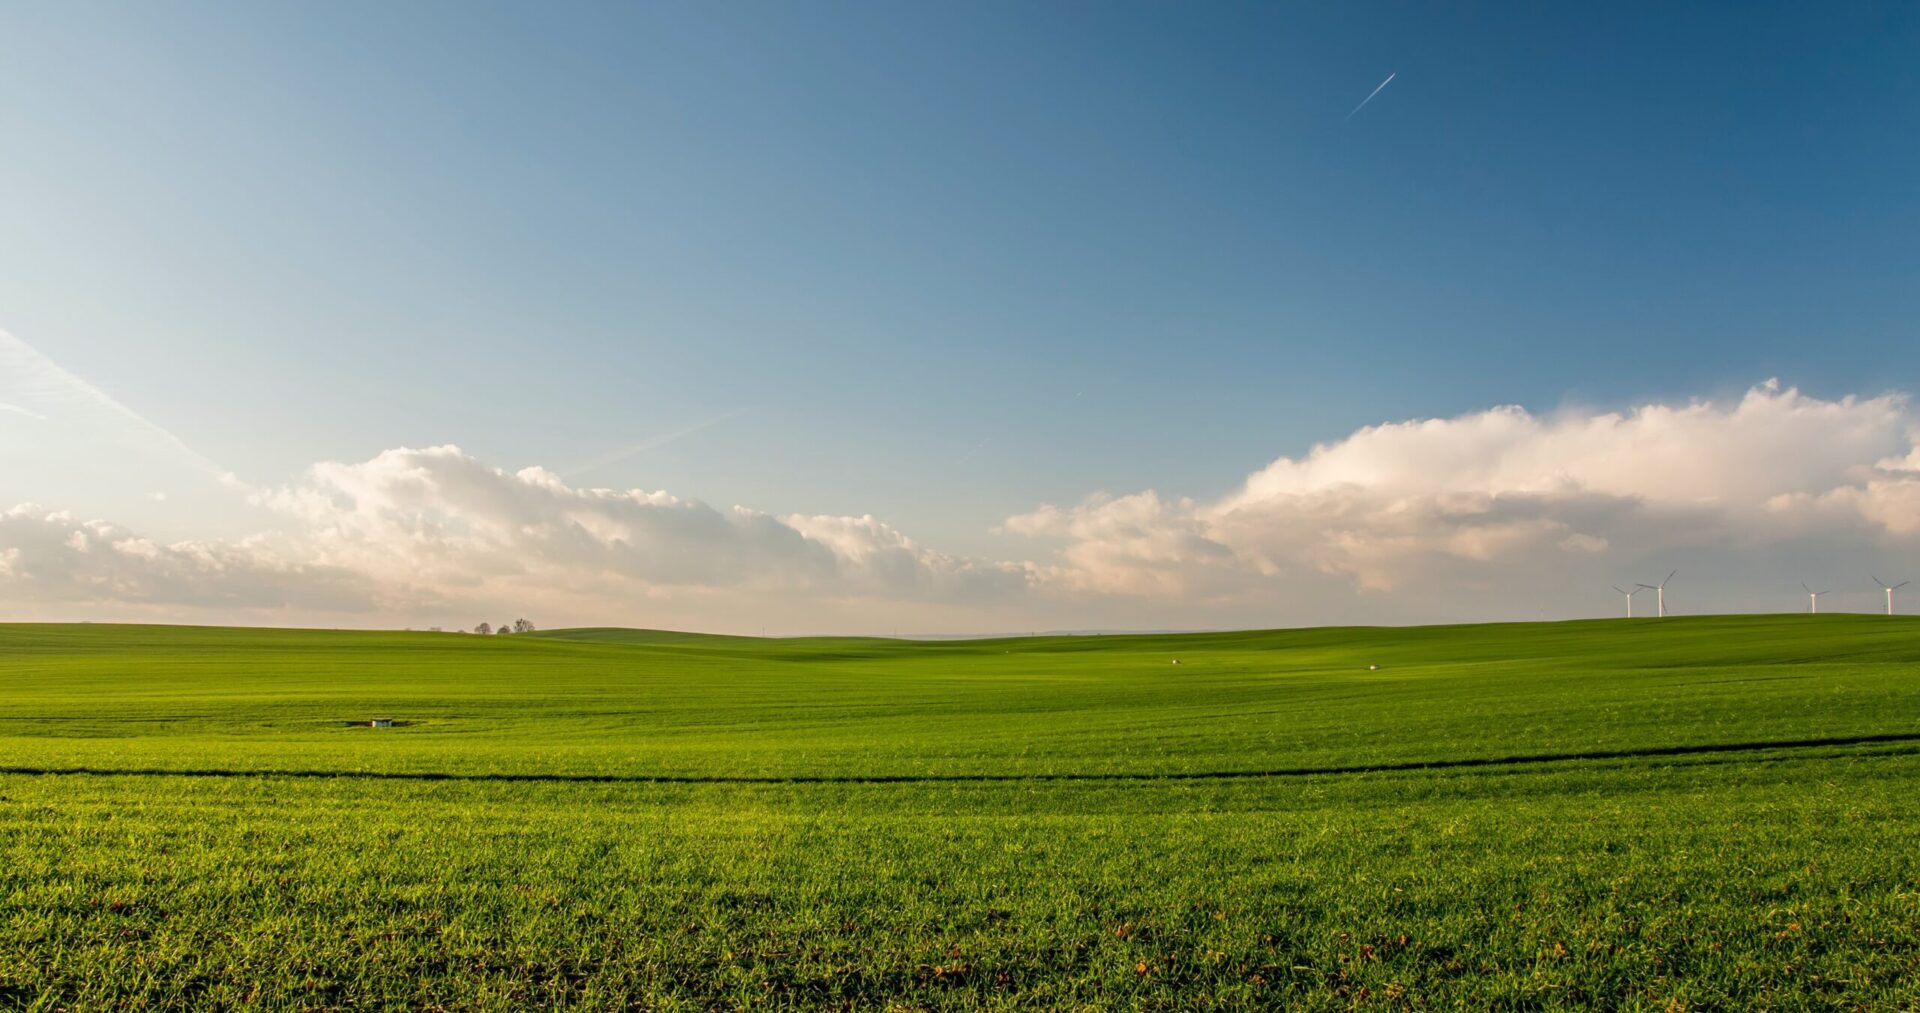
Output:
x=945 y=262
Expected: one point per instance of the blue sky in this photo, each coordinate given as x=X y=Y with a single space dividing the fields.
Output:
x=938 y=264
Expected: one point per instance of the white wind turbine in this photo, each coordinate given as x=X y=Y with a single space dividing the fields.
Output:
x=1890 y=589
x=1660 y=593
x=1629 y=595
x=1813 y=598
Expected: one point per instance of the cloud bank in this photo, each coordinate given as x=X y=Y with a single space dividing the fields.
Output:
x=443 y=519
x=1392 y=504
x=51 y=557
x=1494 y=514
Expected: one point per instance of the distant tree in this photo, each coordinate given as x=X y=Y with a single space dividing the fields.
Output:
x=483 y=629
x=504 y=628
x=522 y=626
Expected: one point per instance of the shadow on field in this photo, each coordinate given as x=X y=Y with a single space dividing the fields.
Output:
x=1194 y=775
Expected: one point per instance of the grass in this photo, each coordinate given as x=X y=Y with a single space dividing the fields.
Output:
x=1706 y=813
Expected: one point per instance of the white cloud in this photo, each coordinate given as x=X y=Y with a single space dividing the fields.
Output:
x=434 y=530
x=1134 y=544
x=1772 y=441
x=50 y=557
x=1493 y=513
x=1391 y=503
x=440 y=516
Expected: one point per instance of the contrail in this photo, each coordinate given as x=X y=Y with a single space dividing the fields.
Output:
x=977 y=448
x=650 y=443
x=26 y=375
x=28 y=412
x=1376 y=91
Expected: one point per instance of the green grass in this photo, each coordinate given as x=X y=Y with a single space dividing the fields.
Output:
x=1716 y=813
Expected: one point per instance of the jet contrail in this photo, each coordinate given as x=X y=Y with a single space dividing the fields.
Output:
x=28 y=412
x=651 y=443
x=1370 y=95
x=26 y=375
x=977 y=448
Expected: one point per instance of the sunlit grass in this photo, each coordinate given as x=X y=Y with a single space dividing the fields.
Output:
x=1749 y=841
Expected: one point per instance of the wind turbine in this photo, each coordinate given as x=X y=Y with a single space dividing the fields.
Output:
x=1890 y=589
x=1813 y=598
x=1660 y=592
x=1629 y=594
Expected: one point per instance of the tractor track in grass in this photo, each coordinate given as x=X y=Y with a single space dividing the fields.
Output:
x=1410 y=766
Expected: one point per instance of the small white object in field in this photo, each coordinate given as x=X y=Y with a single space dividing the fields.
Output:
x=1176 y=661
x=1373 y=668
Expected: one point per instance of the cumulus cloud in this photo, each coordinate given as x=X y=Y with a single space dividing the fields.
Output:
x=1485 y=514
x=439 y=516
x=48 y=556
x=415 y=530
x=1393 y=502
x=1134 y=544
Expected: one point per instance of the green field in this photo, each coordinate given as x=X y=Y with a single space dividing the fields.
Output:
x=1701 y=813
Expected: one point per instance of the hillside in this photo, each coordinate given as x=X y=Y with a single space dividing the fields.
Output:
x=1714 y=812
x=639 y=703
